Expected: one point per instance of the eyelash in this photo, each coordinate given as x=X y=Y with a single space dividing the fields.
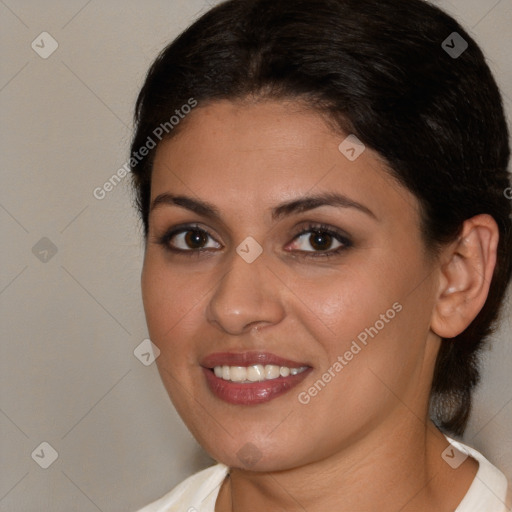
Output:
x=165 y=239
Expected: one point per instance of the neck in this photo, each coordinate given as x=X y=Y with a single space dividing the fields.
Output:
x=400 y=469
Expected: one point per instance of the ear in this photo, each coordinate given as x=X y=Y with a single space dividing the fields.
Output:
x=467 y=267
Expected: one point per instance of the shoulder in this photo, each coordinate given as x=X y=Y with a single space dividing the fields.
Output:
x=489 y=490
x=197 y=493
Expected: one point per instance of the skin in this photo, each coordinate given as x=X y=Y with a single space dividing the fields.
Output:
x=365 y=441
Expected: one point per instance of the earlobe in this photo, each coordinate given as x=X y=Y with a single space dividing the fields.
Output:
x=466 y=271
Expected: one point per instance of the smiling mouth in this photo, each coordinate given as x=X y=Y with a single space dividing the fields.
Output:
x=251 y=378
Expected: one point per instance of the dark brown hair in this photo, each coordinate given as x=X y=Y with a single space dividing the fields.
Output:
x=386 y=71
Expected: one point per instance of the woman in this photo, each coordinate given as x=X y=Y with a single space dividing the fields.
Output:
x=322 y=188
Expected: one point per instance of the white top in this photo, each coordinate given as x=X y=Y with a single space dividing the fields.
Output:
x=198 y=493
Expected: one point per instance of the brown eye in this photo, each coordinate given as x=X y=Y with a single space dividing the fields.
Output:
x=191 y=239
x=195 y=239
x=320 y=241
x=312 y=241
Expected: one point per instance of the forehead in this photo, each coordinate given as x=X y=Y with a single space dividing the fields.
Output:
x=252 y=155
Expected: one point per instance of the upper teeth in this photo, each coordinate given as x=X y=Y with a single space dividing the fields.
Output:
x=255 y=373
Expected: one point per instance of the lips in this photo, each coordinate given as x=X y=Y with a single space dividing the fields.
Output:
x=251 y=393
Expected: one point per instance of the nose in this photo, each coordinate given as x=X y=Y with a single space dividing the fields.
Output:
x=247 y=296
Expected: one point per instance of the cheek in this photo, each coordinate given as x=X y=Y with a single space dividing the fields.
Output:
x=171 y=301
x=376 y=314
x=170 y=298
x=375 y=353
x=339 y=306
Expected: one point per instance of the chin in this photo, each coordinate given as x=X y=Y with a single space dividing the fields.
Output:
x=256 y=456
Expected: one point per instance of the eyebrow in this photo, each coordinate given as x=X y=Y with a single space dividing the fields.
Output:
x=288 y=208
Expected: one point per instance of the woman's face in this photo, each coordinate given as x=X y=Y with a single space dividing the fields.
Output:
x=293 y=252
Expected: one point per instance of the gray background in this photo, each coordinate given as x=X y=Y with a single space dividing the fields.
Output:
x=71 y=320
